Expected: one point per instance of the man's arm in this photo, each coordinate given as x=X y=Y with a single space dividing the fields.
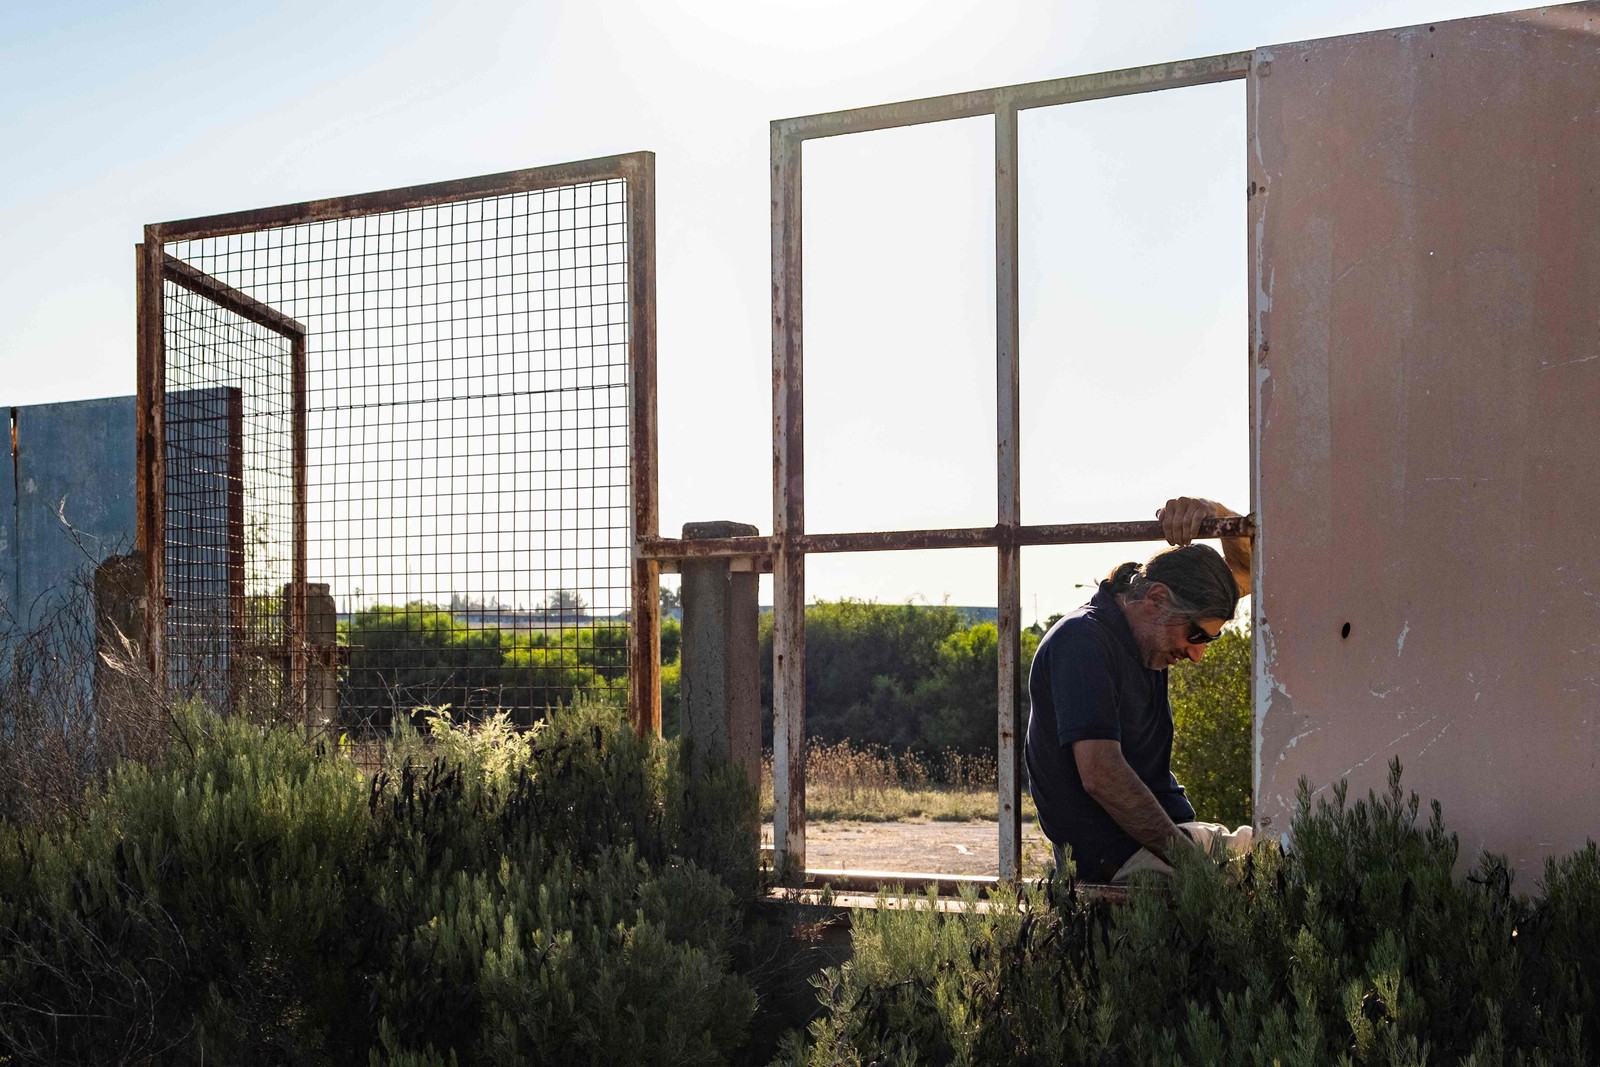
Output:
x=1111 y=782
x=1180 y=522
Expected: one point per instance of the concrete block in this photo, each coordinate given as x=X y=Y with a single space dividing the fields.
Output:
x=721 y=687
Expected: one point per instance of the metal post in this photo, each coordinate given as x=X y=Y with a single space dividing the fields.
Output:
x=644 y=631
x=788 y=515
x=1009 y=482
x=150 y=445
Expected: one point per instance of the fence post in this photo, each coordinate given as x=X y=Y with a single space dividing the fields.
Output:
x=720 y=694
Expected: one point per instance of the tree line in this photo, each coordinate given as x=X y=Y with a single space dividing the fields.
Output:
x=403 y=658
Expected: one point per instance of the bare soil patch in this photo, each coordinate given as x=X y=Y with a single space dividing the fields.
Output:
x=917 y=847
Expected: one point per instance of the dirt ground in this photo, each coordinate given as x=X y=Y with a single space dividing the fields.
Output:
x=916 y=847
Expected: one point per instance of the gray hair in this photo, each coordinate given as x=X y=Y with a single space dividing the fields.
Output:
x=1199 y=583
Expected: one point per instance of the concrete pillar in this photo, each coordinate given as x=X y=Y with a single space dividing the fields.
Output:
x=322 y=633
x=321 y=654
x=720 y=695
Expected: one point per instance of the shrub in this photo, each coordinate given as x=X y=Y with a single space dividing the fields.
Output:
x=1360 y=945
x=186 y=908
x=249 y=898
x=420 y=656
x=864 y=662
x=908 y=676
x=1211 y=749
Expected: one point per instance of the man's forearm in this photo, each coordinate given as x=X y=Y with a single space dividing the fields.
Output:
x=1236 y=552
x=1134 y=808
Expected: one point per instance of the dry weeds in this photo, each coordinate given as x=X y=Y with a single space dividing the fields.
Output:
x=871 y=783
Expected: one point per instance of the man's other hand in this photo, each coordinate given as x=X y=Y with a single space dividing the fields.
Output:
x=1181 y=516
x=1180 y=522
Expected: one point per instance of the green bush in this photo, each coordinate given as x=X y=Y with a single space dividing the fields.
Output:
x=420 y=656
x=906 y=676
x=184 y=908
x=571 y=896
x=1360 y=945
x=1211 y=749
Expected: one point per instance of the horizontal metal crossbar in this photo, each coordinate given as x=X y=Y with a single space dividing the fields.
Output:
x=242 y=304
x=1126 y=82
x=629 y=166
x=1084 y=533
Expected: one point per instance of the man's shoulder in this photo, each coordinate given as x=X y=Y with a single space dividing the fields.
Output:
x=1087 y=624
x=1094 y=617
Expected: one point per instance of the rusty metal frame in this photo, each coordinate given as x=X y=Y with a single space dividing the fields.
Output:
x=296 y=650
x=157 y=268
x=637 y=169
x=785 y=551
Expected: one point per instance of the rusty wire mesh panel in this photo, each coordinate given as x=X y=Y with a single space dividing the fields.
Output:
x=229 y=520
x=468 y=453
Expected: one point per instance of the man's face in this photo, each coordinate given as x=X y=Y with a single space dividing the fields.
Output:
x=1163 y=638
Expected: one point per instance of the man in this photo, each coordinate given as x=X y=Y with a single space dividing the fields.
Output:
x=1099 y=745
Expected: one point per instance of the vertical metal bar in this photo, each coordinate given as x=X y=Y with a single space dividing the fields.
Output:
x=298 y=637
x=644 y=635
x=1009 y=486
x=788 y=514
x=150 y=448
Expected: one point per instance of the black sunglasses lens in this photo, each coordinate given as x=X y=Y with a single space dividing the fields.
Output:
x=1198 y=635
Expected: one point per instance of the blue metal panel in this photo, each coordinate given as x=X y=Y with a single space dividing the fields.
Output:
x=69 y=499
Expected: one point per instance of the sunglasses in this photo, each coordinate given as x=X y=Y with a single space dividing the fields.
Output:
x=1198 y=636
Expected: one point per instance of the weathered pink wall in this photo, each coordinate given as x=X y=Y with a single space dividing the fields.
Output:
x=1425 y=252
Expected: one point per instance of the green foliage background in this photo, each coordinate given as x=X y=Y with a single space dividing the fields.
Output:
x=907 y=676
x=1212 y=743
x=405 y=657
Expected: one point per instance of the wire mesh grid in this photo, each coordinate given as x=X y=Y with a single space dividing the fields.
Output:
x=468 y=460
x=229 y=505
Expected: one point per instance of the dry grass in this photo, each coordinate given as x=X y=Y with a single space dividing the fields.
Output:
x=870 y=783
x=69 y=710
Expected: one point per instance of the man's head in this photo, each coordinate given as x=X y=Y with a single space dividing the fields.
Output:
x=1175 y=603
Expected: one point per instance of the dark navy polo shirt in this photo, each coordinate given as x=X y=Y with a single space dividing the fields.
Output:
x=1088 y=683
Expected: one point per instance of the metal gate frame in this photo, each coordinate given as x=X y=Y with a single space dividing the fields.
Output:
x=155 y=268
x=152 y=465
x=790 y=543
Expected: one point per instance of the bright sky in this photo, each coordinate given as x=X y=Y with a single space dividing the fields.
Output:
x=1133 y=237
